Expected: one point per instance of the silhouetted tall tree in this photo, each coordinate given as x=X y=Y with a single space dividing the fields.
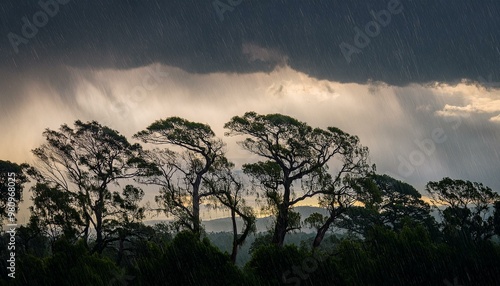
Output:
x=55 y=213
x=391 y=203
x=342 y=189
x=76 y=170
x=228 y=191
x=496 y=218
x=468 y=207
x=294 y=153
x=180 y=174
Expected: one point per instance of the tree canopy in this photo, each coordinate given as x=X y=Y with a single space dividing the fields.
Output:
x=468 y=207
x=88 y=211
x=294 y=153
x=76 y=171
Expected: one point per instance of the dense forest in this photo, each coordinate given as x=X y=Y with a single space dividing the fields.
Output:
x=87 y=215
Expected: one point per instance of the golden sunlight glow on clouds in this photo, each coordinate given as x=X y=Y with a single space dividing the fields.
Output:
x=476 y=101
x=129 y=100
x=495 y=119
x=389 y=120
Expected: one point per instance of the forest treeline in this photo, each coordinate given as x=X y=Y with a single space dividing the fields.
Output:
x=86 y=225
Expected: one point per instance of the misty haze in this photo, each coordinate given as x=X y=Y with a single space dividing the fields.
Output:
x=237 y=142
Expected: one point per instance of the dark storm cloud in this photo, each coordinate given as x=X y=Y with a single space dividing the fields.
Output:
x=466 y=146
x=428 y=41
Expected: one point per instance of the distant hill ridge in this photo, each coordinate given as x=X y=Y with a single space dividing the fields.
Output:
x=262 y=224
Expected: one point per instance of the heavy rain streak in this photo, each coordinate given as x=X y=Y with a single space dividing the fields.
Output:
x=238 y=142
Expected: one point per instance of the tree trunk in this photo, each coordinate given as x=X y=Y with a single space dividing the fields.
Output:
x=322 y=231
x=196 y=215
x=196 y=207
x=280 y=228
x=120 y=250
x=86 y=232
x=99 y=239
x=99 y=247
x=282 y=219
x=234 y=252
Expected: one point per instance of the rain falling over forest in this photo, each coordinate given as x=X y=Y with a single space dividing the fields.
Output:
x=237 y=142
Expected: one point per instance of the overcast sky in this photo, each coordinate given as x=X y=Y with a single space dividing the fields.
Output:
x=421 y=88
